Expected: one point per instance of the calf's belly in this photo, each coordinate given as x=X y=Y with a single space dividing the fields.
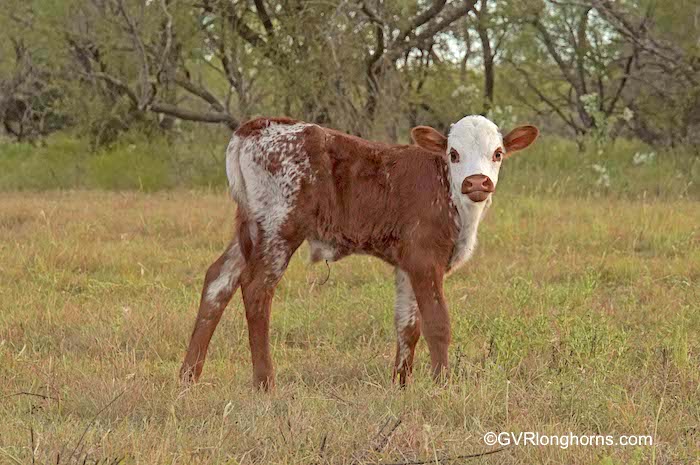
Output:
x=320 y=250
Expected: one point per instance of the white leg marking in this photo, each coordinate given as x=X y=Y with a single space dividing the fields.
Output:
x=405 y=312
x=229 y=274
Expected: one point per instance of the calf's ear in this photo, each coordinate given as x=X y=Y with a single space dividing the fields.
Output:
x=429 y=139
x=520 y=138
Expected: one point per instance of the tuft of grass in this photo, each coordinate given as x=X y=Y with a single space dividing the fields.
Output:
x=575 y=315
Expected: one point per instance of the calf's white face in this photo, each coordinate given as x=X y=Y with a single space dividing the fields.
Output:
x=475 y=150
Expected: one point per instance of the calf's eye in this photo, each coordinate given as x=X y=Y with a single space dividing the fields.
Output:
x=454 y=156
x=497 y=155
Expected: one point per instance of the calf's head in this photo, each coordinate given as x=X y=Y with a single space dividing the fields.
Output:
x=474 y=149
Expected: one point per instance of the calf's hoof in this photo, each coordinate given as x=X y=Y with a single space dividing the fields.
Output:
x=189 y=375
x=264 y=382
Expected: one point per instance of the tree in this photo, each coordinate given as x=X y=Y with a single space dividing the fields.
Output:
x=589 y=63
x=28 y=95
x=396 y=38
x=491 y=28
x=371 y=67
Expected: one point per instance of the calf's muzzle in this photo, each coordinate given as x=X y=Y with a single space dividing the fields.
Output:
x=477 y=187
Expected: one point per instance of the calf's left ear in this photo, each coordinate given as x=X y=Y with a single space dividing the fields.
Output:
x=520 y=138
x=429 y=139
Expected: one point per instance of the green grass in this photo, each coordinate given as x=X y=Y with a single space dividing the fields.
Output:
x=576 y=315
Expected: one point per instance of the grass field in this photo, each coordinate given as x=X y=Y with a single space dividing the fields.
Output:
x=576 y=315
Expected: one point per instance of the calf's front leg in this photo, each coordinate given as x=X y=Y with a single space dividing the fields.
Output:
x=435 y=320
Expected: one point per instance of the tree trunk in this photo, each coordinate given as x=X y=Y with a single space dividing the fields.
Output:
x=487 y=57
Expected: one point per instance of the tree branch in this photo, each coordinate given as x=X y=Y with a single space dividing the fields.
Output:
x=420 y=19
x=622 y=84
x=243 y=29
x=168 y=32
x=438 y=25
x=146 y=90
x=264 y=17
x=564 y=67
x=569 y=121
x=190 y=115
x=200 y=92
x=117 y=83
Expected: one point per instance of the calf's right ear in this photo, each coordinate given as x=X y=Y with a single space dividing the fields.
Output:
x=429 y=139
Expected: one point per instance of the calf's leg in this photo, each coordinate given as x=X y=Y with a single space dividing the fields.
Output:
x=220 y=283
x=435 y=320
x=257 y=298
x=258 y=282
x=407 y=322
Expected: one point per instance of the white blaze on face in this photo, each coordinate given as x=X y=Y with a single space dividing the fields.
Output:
x=475 y=138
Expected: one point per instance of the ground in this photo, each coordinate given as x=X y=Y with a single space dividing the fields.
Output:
x=576 y=315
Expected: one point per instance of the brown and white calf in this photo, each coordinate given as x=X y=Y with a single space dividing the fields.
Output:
x=416 y=207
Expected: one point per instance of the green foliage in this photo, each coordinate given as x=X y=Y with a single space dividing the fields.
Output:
x=603 y=123
x=58 y=166
x=111 y=69
x=134 y=163
x=552 y=166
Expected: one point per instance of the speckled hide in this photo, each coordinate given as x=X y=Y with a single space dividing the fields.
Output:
x=417 y=207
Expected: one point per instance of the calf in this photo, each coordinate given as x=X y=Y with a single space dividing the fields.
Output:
x=417 y=207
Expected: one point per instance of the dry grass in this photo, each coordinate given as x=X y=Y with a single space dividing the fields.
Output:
x=575 y=316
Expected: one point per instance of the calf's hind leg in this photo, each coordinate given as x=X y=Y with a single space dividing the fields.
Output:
x=264 y=270
x=220 y=283
x=407 y=321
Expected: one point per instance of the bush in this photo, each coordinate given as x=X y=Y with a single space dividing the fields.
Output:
x=134 y=163
x=623 y=168
x=553 y=166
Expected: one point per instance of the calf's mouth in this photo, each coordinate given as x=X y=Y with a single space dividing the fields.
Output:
x=478 y=196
